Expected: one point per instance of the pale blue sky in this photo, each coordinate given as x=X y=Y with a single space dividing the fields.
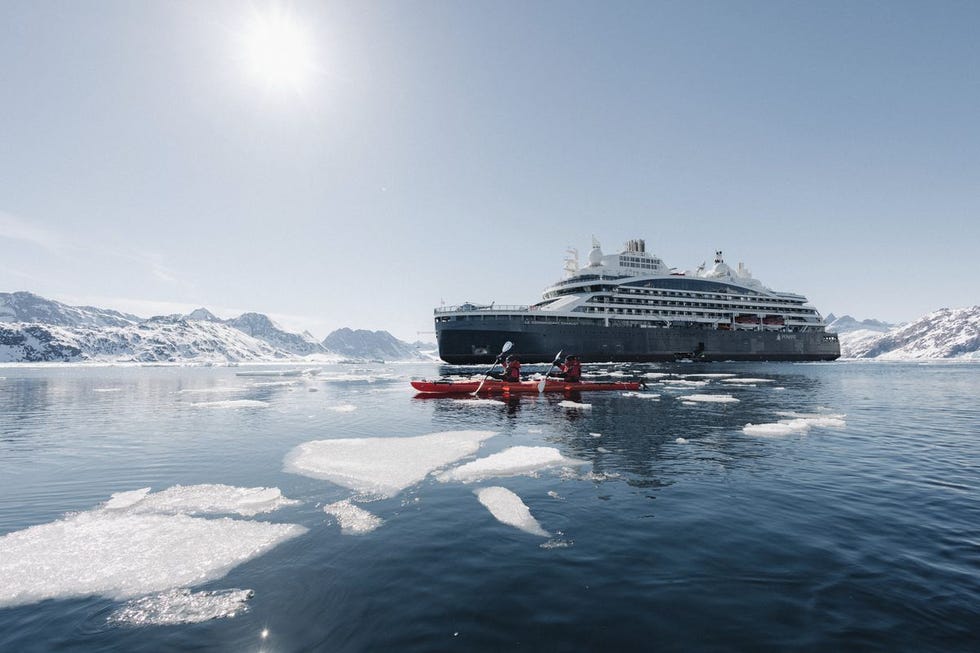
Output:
x=453 y=150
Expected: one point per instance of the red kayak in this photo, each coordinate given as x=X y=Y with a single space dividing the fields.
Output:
x=496 y=387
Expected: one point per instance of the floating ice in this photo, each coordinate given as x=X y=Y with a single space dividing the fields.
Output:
x=684 y=383
x=753 y=381
x=642 y=395
x=535 y=430
x=655 y=375
x=271 y=373
x=555 y=495
x=803 y=422
x=716 y=399
x=383 y=466
x=574 y=404
x=181 y=606
x=208 y=499
x=273 y=384
x=231 y=403
x=353 y=520
x=343 y=408
x=602 y=450
x=510 y=462
x=508 y=508
x=106 y=389
x=119 y=551
x=596 y=435
x=707 y=376
x=681 y=440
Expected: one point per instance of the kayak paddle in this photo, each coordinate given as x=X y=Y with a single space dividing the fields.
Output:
x=543 y=381
x=503 y=350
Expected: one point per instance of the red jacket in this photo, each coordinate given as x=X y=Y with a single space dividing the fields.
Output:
x=512 y=371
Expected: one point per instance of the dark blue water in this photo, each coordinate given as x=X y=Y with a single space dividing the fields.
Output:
x=864 y=537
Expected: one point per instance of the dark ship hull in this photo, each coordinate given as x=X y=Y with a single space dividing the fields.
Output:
x=463 y=342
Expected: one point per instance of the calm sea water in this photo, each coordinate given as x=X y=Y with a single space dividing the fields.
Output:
x=683 y=532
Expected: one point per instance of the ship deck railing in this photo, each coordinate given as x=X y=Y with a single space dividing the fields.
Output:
x=491 y=308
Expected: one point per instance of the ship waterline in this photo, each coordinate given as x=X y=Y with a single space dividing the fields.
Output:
x=630 y=307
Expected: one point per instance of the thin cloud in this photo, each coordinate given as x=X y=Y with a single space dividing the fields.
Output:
x=14 y=228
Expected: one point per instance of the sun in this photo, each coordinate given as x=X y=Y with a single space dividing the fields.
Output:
x=277 y=49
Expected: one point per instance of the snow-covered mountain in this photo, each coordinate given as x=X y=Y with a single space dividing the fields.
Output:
x=847 y=324
x=28 y=307
x=35 y=329
x=946 y=333
x=370 y=345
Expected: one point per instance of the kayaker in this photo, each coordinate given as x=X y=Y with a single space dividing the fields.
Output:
x=570 y=370
x=512 y=370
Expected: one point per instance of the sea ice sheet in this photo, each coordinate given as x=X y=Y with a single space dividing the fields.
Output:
x=508 y=509
x=207 y=499
x=510 y=462
x=119 y=551
x=567 y=403
x=382 y=466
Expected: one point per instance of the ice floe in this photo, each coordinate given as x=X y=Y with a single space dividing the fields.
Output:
x=567 y=403
x=749 y=381
x=343 y=408
x=711 y=399
x=124 y=549
x=642 y=395
x=106 y=389
x=382 y=466
x=683 y=383
x=181 y=606
x=656 y=375
x=513 y=461
x=508 y=509
x=231 y=403
x=353 y=520
x=207 y=499
x=797 y=423
x=681 y=440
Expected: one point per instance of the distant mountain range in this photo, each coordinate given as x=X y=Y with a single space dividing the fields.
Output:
x=946 y=333
x=35 y=329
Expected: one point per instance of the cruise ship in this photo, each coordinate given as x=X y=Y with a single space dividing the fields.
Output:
x=631 y=307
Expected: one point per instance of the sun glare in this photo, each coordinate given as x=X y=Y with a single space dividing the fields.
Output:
x=278 y=50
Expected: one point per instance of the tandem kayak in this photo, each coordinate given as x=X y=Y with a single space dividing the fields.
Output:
x=493 y=386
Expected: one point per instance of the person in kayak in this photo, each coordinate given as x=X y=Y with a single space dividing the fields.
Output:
x=570 y=370
x=512 y=370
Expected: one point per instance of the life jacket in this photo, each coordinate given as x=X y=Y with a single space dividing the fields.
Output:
x=573 y=370
x=512 y=372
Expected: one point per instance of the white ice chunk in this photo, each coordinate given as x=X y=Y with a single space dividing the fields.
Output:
x=683 y=383
x=508 y=509
x=510 y=462
x=382 y=466
x=181 y=606
x=716 y=399
x=752 y=381
x=681 y=440
x=642 y=395
x=353 y=520
x=707 y=376
x=231 y=403
x=799 y=422
x=574 y=405
x=343 y=408
x=206 y=499
x=656 y=375
x=122 y=555
x=106 y=389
